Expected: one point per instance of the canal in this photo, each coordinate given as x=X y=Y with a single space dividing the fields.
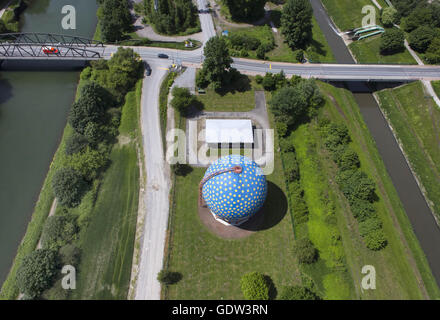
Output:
x=33 y=112
x=417 y=210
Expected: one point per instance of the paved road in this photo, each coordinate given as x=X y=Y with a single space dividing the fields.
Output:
x=194 y=58
x=157 y=192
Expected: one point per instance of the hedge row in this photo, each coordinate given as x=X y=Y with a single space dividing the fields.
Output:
x=356 y=186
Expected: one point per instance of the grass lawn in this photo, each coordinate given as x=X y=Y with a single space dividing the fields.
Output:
x=436 y=86
x=401 y=266
x=230 y=99
x=321 y=50
x=211 y=266
x=367 y=51
x=347 y=14
x=416 y=118
x=107 y=241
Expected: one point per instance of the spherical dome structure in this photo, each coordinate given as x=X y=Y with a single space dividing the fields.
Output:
x=234 y=188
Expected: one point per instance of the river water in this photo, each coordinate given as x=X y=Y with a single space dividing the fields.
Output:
x=419 y=214
x=33 y=112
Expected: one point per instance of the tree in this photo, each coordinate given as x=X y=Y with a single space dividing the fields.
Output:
x=297 y=293
x=58 y=231
x=346 y=158
x=171 y=16
x=392 y=41
x=389 y=16
x=304 y=250
x=183 y=100
x=36 y=272
x=217 y=61
x=168 y=277
x=90 y=107
x=421 y=38
x=3 y=28
x=269 y=82
x=290 y=104
x=421 y=16
x=246 y=10
x=68 y=186
x=433 y=52
x=125 y=68
x=76 y=143
x=254 y=286
x=87 y=163
x=114 y=19
x=296 y=23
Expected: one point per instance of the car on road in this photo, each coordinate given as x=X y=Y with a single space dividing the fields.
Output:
x=162 y=56
x=50 y=50
x=148 y=70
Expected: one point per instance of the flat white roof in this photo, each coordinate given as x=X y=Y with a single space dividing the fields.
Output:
x=229 y=131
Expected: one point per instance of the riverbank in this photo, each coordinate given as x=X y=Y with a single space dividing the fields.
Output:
x=418 y=219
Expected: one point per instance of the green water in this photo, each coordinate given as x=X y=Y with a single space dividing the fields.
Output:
x=33 y=112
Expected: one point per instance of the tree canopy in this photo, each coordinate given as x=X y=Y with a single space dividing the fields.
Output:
x=36 y=272
x=296 y=23
x=421 y=38
x=114 y=19
x=246 y=10
x=297 y=293
x=217 y=63
x=171 y=16
x=68 y=186
x=392 y=41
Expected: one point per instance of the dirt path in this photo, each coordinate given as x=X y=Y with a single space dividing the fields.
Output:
x=53 y=208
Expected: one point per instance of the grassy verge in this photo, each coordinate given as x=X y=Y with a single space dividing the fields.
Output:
x=367 y=51
x=114 y=214
x=347 y=14
x=436 y=86
x=197 y=254
x=231 y=99
x=163 y=103
x=415 y=118
x=402 y=262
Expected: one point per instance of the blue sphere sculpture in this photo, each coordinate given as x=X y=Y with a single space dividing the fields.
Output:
x=234 y=188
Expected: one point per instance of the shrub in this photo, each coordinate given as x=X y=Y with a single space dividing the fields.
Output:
x=259 y=79
x=180 y=169
x=362 y=210
x=58 y=231
x=261 y=53
x=69 y=187
x=183 y=100
x=421 y=38
x=291 y=168
x=88 y=163
x=75 y=143
x=305 y=251
x=389 y=17
x=36 y=272
x=369 y=225
x=269 y=82
x=375 y=240
x=299 y=206
x=168 y=277
x=346 y=158
x=254 y=286
x=297 y=293
x=287 y=145
x=70 y=255
x=392 y=41
x=282 y=128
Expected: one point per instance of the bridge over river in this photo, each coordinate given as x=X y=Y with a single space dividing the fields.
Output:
x=31 y=46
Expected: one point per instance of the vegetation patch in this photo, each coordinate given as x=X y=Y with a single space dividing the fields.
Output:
x=415 y=118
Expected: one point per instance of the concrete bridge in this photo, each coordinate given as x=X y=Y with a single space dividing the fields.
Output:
x=31 y=46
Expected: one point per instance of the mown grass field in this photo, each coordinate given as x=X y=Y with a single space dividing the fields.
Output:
x=212 y=267
x=107 y=241
x=231 y=99
x=401 y=266
x=347 y=14
x=367 y=51
x=416 y=119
